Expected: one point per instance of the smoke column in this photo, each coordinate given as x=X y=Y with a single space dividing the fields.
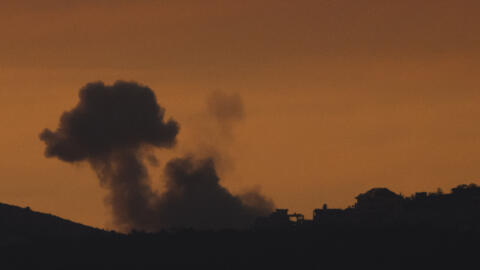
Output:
x=226 y=110
x=213 y=129
x=113 y=128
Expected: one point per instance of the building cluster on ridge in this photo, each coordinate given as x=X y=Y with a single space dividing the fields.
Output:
x=379 y=207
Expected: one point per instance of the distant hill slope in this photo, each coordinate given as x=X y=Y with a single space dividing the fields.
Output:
x=21 y=225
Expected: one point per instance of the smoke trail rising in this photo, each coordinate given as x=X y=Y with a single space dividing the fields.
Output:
x=113 y=128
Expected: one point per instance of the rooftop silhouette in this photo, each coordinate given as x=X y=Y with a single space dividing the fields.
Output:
x=380 y=207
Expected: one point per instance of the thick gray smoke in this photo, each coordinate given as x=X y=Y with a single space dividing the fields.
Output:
x=193 y=190
x=113 y=127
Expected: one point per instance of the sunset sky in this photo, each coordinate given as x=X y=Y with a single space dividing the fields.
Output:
x=340 y=95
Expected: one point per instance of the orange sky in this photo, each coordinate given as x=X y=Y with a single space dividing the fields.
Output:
x=340 y=95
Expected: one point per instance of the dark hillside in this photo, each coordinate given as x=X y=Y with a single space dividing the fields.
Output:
x=19 y=226
x=383 y=230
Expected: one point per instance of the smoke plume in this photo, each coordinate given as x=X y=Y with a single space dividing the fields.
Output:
x=114 y=128
x=213 y=129
x=226 y=110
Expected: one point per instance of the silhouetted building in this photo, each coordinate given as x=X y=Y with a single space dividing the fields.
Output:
x=280 y=219
x=381 y=207
x=276 y=220
x=378 y=199
x=326 y=216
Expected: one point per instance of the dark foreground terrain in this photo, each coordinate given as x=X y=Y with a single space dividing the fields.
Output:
x=389 y=248
x=382 y=231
